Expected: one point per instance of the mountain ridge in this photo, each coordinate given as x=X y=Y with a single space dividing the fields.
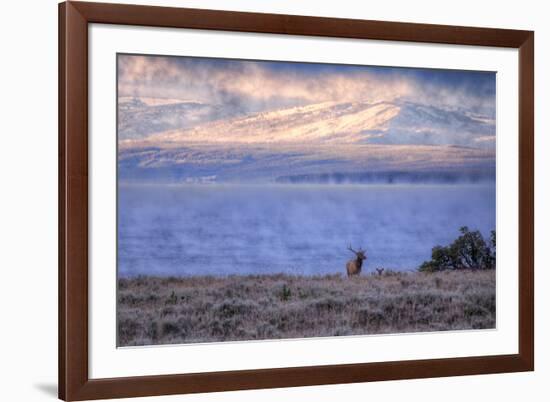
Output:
x=320 y=138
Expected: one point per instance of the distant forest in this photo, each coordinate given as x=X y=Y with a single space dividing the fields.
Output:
x=392 y=177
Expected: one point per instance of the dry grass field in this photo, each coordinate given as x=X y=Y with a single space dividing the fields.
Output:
x=154 y=311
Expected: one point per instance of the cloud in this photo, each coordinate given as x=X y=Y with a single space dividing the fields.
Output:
x=264 y=84
x=256 y=85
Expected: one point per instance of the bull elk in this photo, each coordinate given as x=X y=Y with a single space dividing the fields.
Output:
x=353 y=267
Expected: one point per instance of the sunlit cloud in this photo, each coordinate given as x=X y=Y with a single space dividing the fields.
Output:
x=253 y=82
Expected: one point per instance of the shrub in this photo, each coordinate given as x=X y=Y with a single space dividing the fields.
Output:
x=469 y=250
x=285 y=293
x=173 y=299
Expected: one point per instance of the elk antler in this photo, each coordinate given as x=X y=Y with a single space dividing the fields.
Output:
x=352 y=250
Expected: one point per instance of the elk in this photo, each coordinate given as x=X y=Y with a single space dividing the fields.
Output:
x=353 y=267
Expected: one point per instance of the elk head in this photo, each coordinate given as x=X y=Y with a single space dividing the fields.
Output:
x=360 y=255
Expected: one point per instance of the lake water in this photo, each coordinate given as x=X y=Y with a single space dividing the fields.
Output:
x=233 y=229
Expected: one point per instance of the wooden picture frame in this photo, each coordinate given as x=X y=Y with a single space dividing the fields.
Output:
x=74 y=381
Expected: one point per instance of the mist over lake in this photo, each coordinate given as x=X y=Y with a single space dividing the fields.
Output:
x=216 y=229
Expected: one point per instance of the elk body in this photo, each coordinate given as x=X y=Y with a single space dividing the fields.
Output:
x=353 y=267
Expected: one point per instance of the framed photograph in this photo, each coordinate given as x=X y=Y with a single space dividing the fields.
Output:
x=259 y=200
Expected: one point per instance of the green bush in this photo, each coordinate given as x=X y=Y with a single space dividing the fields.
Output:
x=285 y=294
x=468 y=251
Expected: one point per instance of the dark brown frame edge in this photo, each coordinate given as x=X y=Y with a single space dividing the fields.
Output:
x=74 y=18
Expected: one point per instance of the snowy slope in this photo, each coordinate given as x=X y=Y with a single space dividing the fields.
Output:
x=318 y=138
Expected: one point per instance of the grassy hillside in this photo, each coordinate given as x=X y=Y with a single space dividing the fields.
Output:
x=210 y=309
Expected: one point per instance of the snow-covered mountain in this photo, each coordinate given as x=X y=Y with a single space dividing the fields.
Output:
x=312 y=139
x=325 y=122
x=140 y=117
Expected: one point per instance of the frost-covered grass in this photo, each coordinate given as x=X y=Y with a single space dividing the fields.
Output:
x=154 y=310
